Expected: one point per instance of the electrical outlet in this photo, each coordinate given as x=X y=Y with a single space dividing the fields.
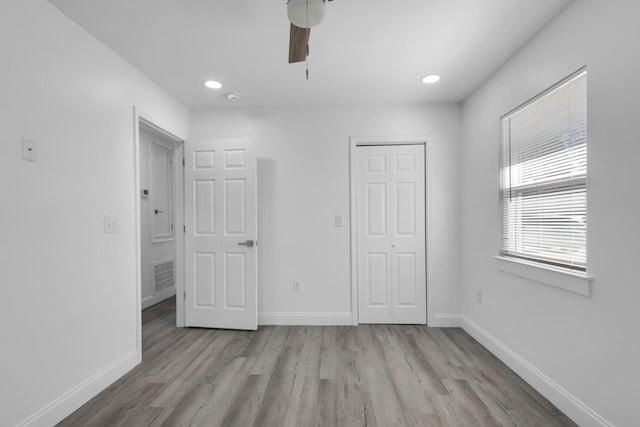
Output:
x=479 y=296
x=296 y=286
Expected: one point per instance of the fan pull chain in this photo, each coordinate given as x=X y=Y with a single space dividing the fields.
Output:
x=307 y=57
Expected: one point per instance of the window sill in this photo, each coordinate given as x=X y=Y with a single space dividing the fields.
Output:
x=572 y=281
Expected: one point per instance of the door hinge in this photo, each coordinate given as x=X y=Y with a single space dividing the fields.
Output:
x=171 y=227
x=184 y=295
x=184 y=228
x=183 y=162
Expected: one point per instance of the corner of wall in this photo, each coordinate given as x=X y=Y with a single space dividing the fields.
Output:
x=64 y=405
x=565 y=401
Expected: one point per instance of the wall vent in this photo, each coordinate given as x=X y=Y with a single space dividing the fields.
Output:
x=163 y=275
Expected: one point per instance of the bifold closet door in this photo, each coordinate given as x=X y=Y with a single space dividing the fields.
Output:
x=391 y=234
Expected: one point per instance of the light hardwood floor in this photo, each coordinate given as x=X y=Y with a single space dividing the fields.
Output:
x=369 y=375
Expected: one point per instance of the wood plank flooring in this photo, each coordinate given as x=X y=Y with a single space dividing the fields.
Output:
x=369 y=375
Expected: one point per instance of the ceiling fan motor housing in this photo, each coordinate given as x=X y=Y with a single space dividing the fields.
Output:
x=306 y=13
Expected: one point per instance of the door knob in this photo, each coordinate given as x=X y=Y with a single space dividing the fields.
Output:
x=248 y=243
x=158 y=211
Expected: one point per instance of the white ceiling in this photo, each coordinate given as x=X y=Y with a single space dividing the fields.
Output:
x=365 y=51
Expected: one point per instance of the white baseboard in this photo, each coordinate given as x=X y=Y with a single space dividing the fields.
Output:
x=565 y=401
x=446 y=321
x=306 y=319
x=156 y=298
x=64 y=405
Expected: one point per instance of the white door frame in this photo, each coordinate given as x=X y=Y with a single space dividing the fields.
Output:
x=354 y=142
x=178 y=209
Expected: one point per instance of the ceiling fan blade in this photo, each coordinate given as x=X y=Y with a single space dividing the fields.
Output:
x=298 y=43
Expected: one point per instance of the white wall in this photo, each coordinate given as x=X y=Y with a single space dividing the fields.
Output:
x=68 y=290
x=303 y=181
x=587 y=346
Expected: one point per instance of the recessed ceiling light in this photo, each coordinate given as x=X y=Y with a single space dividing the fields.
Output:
x=431 y=78
x=212 y=84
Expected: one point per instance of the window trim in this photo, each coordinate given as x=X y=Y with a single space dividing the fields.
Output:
x=545 y=92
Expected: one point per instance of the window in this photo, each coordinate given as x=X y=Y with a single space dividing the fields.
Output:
x=544 y=177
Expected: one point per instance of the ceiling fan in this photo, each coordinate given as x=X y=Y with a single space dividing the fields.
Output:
x=303 y=15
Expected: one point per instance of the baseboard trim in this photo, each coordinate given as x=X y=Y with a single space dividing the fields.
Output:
x=446 y=321
x=156 y=298
x=64 y=405
x=565 y=401
x=306 y=319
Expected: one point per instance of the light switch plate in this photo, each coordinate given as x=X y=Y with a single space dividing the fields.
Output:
x=29 y=150
x=338 y=220
x=110 y=224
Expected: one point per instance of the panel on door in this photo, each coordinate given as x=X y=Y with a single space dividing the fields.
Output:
x=376 y=280
x=204 y=267
x=161 y=182
x=221 y=218
x=391 y=234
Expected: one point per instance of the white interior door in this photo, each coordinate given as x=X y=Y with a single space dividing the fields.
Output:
x=221 y=230
x=391 y=234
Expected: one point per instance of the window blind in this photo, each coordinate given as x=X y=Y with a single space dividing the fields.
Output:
x=544 y=176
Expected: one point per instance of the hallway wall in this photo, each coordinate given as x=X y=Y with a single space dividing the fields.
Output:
x=69 y=290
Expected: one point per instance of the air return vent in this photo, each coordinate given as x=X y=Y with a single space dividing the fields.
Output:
x=163 y=275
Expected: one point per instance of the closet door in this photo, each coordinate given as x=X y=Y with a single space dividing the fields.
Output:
x=391 y=234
